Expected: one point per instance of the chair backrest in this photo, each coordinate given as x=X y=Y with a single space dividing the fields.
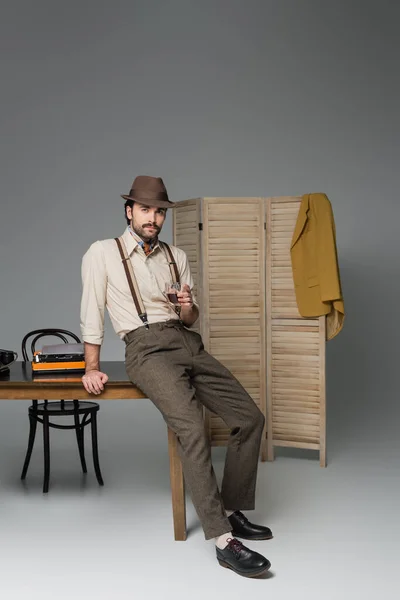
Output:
x=62 y=334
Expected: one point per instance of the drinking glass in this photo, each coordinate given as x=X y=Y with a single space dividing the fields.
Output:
x=171 y=290
x=170 y=293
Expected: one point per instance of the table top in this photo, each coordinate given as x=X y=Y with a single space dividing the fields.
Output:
x=21 y=374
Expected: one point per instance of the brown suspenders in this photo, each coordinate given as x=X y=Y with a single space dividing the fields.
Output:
x=171 y=261
x=130 y=275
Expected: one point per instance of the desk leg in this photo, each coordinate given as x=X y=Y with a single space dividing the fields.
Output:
x=177 y=488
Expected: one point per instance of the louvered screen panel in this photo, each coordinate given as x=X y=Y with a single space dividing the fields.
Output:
x=295 y=346
x=186 y=235
x=282 y=219
x=234 y=295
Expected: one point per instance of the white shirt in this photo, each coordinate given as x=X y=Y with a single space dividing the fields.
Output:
x=105 y=285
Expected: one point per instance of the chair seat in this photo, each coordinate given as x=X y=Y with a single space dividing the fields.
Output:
x=66 y=408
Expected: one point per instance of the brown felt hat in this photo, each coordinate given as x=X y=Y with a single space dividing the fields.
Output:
x=150 y=191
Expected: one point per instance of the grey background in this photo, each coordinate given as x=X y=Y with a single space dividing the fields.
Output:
x=219 y=98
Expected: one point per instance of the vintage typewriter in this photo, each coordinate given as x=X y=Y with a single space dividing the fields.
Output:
x=60 y=358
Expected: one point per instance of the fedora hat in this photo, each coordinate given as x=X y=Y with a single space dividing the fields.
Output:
x=150 y=191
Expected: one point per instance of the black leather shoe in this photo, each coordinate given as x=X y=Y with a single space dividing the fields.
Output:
x=242 y=560
x=242 y=528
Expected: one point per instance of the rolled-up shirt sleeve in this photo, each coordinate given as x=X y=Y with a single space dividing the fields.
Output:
x=94 y=289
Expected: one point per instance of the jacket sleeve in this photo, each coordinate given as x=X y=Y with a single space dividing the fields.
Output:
x=94 y=286
x=327 y=261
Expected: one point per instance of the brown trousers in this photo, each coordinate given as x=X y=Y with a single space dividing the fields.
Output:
x=169 y=364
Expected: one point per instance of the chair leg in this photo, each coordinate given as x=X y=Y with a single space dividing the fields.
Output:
x=79 y=430
x=46 y=447
x=31 y=441
x=95 y=450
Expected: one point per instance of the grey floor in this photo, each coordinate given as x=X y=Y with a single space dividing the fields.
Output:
x=336 y=529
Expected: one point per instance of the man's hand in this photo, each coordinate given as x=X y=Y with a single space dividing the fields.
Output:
x=93 y=381
x=189 y=312
x=185 y=297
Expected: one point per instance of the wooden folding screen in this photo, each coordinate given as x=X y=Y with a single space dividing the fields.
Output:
x=230 y=290
x=295 y=346
x=187 y=235
x=239 y=252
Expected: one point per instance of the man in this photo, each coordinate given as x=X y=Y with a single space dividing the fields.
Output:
x=168 y=363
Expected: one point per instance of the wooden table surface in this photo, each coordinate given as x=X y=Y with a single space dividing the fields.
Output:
x=22 y=384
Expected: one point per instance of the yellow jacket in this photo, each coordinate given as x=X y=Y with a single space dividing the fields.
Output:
x=315 y=265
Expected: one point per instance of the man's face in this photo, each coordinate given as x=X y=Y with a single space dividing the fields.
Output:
x=147 y=221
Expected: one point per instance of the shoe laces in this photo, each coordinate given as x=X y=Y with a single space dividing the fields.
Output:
x=235 y=545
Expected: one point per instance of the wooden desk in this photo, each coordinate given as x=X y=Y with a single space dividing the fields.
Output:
x=21 y=384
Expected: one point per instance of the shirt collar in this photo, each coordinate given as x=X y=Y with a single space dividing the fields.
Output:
x=132 y=240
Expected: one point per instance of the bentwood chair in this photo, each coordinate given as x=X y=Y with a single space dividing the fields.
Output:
x=41 y=413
